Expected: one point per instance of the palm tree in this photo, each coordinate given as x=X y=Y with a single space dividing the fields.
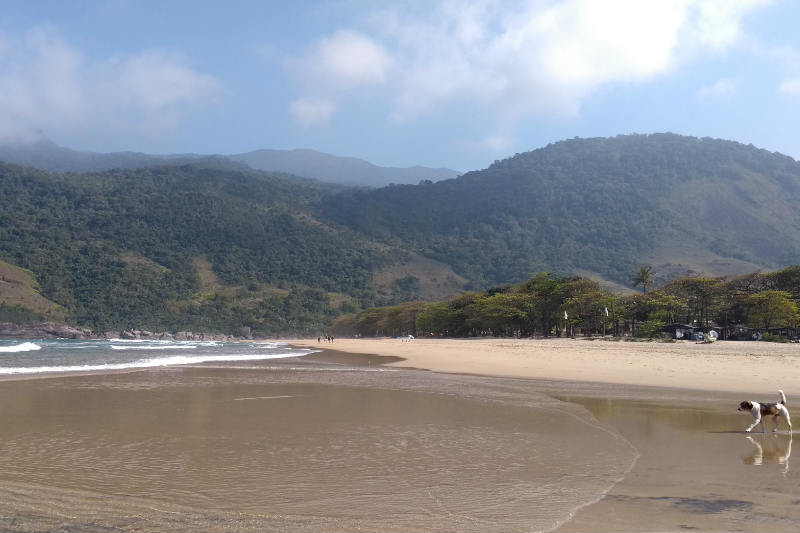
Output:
x=643 y=277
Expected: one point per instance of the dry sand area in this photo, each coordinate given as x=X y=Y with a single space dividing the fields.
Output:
x=747 y=367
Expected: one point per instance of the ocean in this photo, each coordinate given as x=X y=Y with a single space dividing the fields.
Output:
x=34 y=356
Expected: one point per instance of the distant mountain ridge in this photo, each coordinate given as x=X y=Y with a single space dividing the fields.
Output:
x=46 y=155
x=335 y=169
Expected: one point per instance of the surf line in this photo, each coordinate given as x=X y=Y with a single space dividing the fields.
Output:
x=262 y=398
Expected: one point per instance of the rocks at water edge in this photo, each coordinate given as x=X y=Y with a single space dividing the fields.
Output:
x=53 y=330
x=43 y=330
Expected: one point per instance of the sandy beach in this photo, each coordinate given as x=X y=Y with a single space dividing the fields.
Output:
x=505 y=435
x=675 y=403
x=745 y=367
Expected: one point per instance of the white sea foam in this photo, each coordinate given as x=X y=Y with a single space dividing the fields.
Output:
x=155 y=347
x=24 y=347
x=163 y=342
x=174 y=360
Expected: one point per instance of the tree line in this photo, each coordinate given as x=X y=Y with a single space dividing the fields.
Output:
x=547 y=305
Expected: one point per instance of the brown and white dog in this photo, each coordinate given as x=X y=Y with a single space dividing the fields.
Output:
x=760 y=410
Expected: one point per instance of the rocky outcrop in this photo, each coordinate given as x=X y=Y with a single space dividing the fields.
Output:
x=140 y=334
x=53 y=330
x=44 y=330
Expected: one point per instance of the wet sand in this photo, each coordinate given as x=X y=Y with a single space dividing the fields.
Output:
x=697 y=471
x=318 y=445
x=340 y=442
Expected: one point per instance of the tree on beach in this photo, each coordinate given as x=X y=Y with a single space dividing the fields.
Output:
x=537 y=307
x=503 y=313
x=771 y=309
x=669 y=308
x=644 y=277
x=701 y=297
x=551 y=293
x=587 y=304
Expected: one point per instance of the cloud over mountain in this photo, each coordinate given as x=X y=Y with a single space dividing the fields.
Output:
x=49 y=84
x=519 y=58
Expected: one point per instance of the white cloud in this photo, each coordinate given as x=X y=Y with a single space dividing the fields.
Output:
x=717 y=23
x=339 y=63
x=497 y=144
x=350 y=59
x=719 y=89
x=48 y=84
x=519 y=58
x=790 y=86
x=311 y=111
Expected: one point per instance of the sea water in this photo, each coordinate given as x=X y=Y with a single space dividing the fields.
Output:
x=32 y=356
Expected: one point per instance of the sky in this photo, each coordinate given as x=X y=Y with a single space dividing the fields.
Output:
x=440 y=83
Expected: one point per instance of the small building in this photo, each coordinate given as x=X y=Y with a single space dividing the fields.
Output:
x=744 y=333
x=786 y=332
x=681 y=331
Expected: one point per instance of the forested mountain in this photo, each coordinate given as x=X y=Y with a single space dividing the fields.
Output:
x=598 y=207
x=335 y=169
x=210 y=245
x=185 y=247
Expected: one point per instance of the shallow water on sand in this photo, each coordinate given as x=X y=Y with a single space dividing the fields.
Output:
x=698 y=470
x=306 y=448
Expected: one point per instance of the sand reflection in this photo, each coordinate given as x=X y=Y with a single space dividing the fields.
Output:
x=770 y=449
x=695 y=470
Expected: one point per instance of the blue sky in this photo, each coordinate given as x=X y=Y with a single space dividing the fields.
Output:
x=435 y=83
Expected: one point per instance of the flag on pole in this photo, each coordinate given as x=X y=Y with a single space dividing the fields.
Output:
x=566 y=317
x=606 y=311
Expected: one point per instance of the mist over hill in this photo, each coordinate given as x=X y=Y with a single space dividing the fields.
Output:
x=211 y=245
x=335 y=169
x=46 y=155
x=310 y=164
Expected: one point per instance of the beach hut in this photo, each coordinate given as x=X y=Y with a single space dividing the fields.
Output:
x=680 y=331
x=785 y=332
x=744 y=333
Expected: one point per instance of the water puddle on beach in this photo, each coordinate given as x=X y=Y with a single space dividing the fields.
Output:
x=269 y=450
x=698 y=470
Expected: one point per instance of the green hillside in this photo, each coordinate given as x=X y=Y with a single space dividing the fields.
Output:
x=213 y=246
x=597 y=206
x=119 y=249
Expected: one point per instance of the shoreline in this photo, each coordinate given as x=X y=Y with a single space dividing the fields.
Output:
x=502 y=434
x=335 y=446
x=722 y=366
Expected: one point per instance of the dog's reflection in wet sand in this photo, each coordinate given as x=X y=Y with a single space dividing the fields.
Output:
x=770 y=449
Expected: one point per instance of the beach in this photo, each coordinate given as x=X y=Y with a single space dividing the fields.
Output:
x=502 y=435
x=736 y=366
x=674 y=402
